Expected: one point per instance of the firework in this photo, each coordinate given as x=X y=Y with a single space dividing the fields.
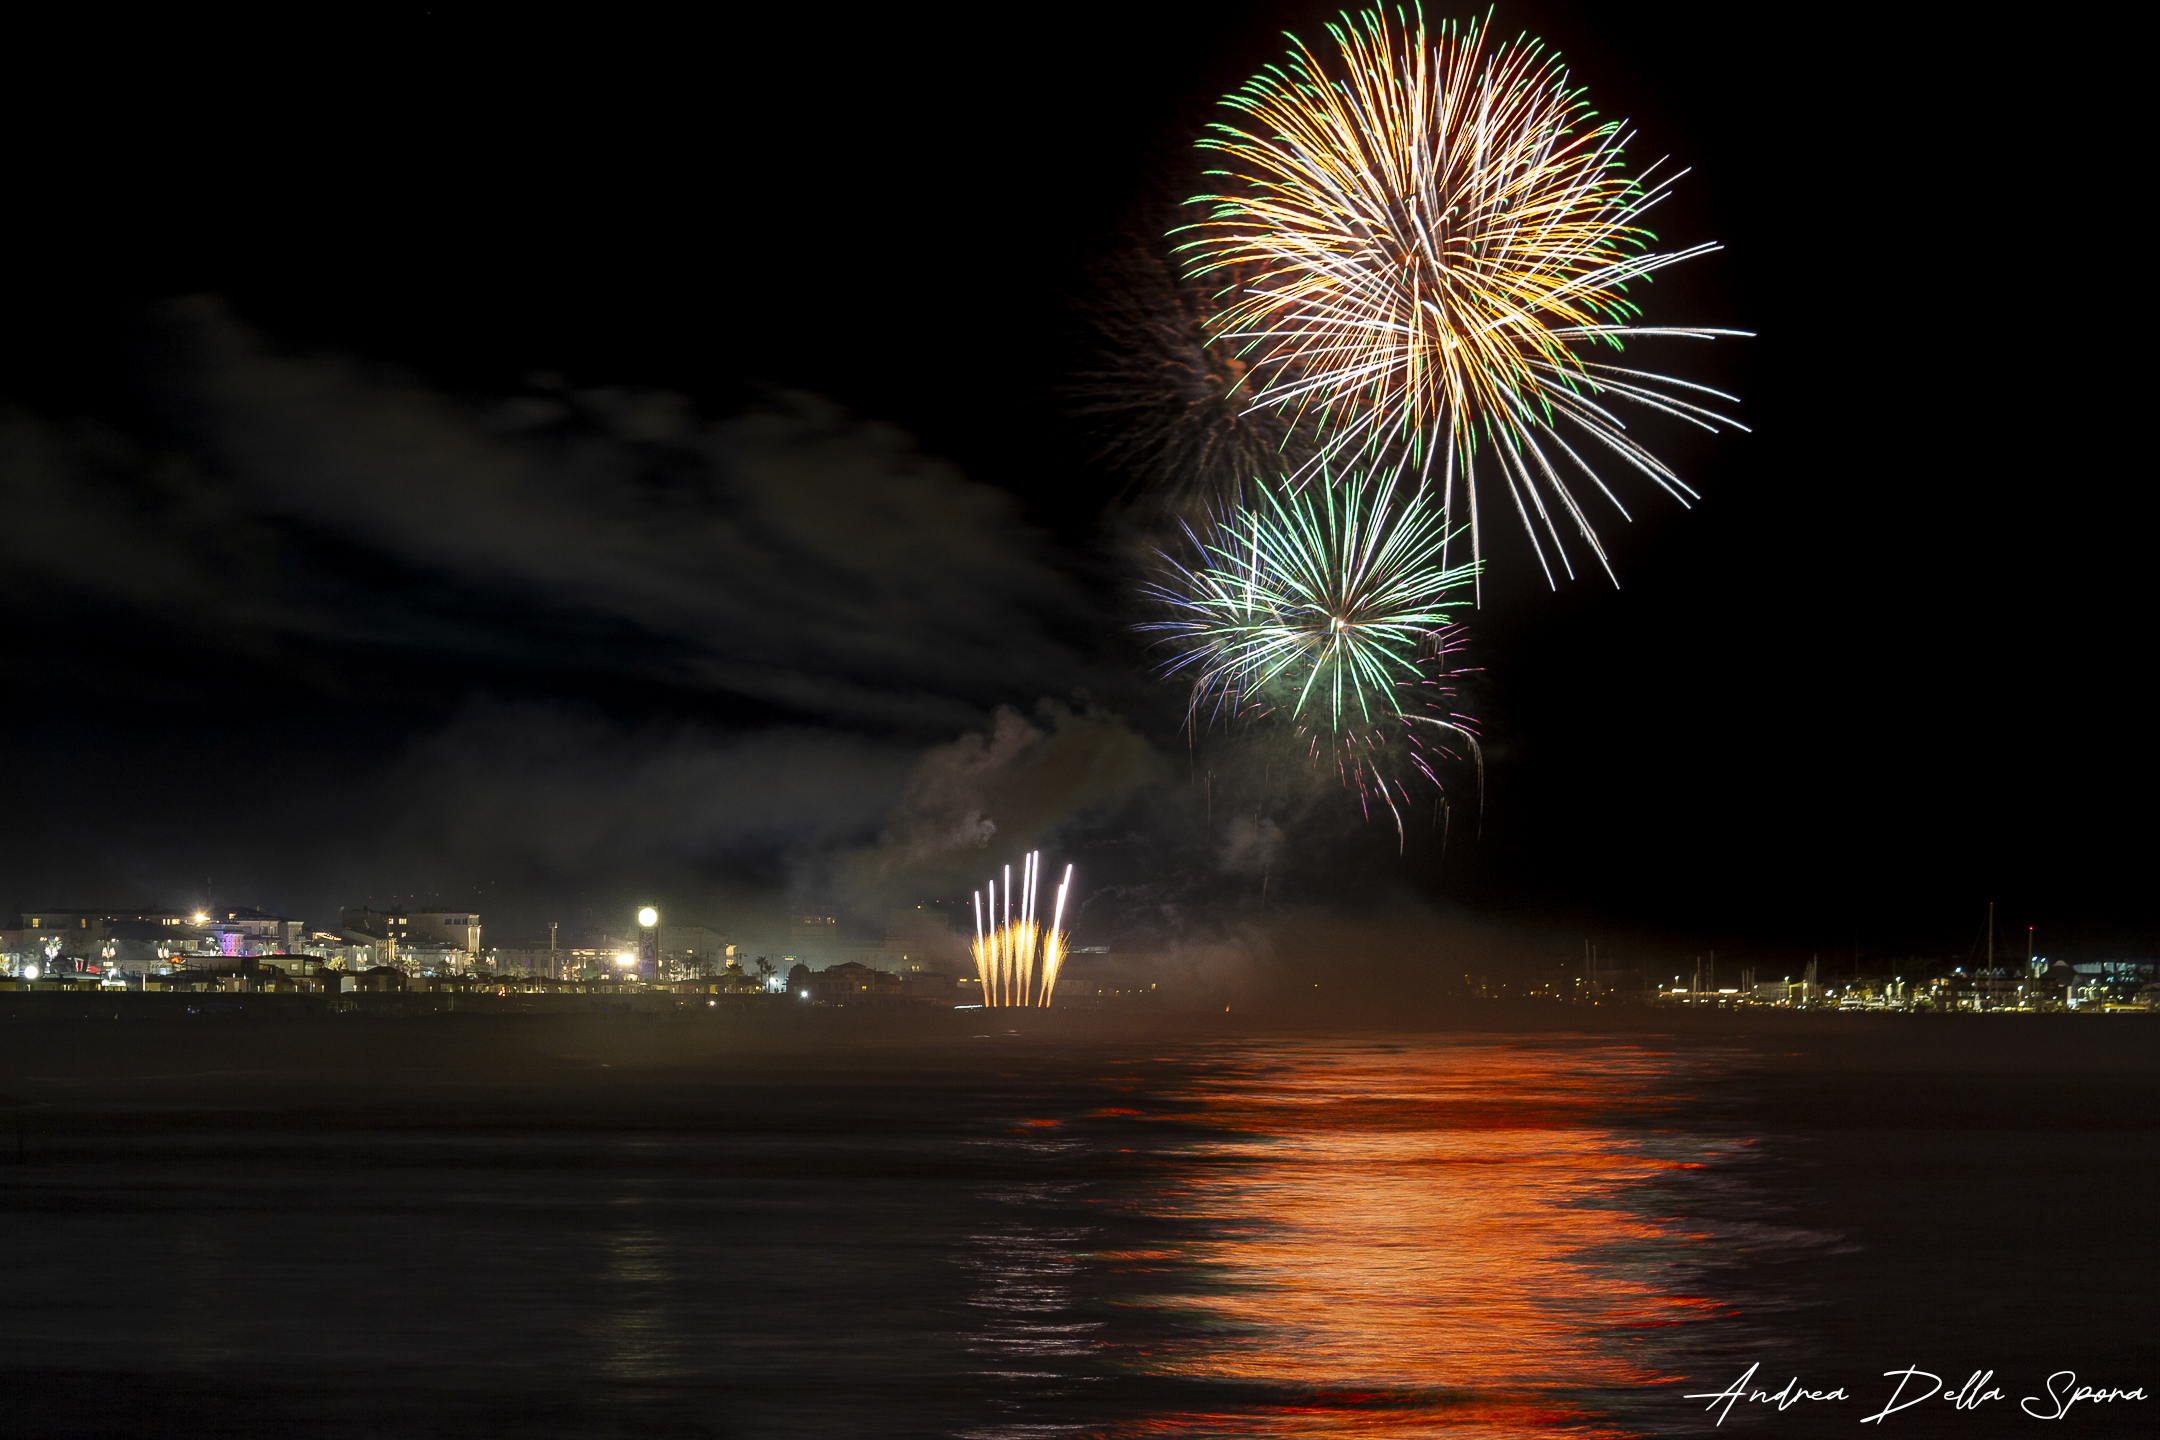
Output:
x=1328 y=606
x=1421 y=241
x=1018 y=960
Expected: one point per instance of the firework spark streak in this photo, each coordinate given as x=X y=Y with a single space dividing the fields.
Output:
x=1018 y=960
x=1329 y=605
x=1423 y=239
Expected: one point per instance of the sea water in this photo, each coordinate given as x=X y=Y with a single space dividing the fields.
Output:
x=1001 y=1228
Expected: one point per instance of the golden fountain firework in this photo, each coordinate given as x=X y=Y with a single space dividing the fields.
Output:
x=1017 y=960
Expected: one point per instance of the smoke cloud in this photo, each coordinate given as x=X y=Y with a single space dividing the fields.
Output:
x=1016 y=783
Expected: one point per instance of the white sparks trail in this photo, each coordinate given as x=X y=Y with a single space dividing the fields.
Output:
x=1018 y=961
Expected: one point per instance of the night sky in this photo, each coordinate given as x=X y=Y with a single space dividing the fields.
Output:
x=551 y=463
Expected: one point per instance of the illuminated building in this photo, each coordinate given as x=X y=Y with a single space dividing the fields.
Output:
x=921 y=939
x=688 y=951
x=340 y=953
x=851 y=983
x=133 y=940
x=245 y=930
x=815 y=937
x=420 y=927
x=85 y=932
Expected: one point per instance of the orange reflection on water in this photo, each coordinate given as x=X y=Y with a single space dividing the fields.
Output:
x=1428 y=1238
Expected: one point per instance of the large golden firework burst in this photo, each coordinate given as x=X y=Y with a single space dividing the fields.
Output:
x=1420 y=239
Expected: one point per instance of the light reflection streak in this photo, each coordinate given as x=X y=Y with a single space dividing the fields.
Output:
x=1023 y=1270
x=1024 y=1277
x=635 y=1334
x=1427 y=1239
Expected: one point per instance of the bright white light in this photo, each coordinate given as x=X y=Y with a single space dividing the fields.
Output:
x=648 y=917
x=29 y=972
x=626 y=961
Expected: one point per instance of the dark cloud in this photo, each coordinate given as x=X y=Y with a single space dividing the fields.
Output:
x=789 y=556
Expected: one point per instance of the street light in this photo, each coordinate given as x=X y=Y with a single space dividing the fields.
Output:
x=648 y=917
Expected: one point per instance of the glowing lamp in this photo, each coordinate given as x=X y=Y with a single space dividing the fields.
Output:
x=29 y=972
x=648 y=917
x=626 y=961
